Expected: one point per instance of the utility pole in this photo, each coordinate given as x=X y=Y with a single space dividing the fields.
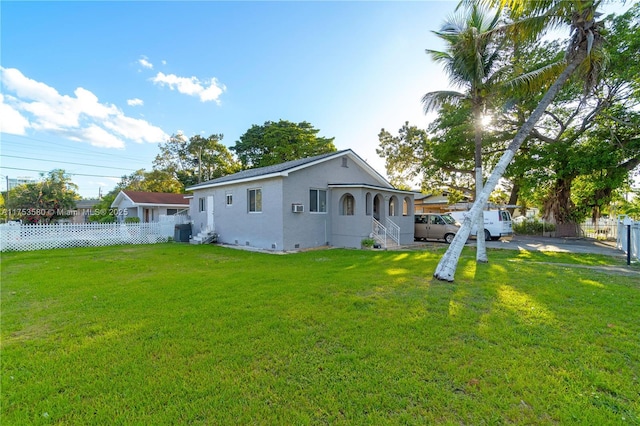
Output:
x=6 y=202
x=200 y=165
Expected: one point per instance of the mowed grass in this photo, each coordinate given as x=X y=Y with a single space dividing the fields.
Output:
x=181 y=334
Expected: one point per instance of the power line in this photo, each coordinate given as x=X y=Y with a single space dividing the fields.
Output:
x=80 y=149
x=47 y=171
x=65 y=162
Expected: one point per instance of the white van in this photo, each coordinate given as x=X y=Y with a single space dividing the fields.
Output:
x=497 y=223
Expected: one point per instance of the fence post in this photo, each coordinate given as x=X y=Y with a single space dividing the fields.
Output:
x=627 y=222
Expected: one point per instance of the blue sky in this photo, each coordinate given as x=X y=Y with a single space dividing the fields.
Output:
x=93 y=87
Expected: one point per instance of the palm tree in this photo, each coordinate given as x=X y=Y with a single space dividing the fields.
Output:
x=582 y=55
x=470 y=60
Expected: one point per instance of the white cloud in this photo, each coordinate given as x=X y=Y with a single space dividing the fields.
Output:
x=135 y=129
x=145 y=63
x=135 y=102
x=96 y=135
x=208 y=90
x=81 y=117
x=11 y=121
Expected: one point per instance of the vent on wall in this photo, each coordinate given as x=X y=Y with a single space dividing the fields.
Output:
x=297 y=208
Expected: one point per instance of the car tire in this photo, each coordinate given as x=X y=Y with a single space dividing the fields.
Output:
x=449 y=238
x=487 y=235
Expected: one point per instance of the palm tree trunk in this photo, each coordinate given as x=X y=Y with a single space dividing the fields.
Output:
x=446 y=268
x=481 y=247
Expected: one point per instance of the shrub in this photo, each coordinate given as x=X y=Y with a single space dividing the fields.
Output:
x=368 y=242
x=108 y=219
x=533 y=227
x=132 y=219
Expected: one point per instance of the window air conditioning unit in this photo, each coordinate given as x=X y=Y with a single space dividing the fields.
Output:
x=297 y=208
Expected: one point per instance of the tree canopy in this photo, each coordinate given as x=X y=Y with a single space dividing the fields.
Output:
x=277 y=142
x=581 y=151
x=42 y=202
x=196 y=159
x=583 y=57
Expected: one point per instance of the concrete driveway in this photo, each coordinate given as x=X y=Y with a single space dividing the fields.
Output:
x=566 y=245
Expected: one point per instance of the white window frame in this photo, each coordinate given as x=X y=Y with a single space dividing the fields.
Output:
x=319 y=207
x=202 y=204
x=258 y=200
x=229 y=199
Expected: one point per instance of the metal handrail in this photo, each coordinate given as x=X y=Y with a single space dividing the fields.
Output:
x=379 y=232
x=393 y=230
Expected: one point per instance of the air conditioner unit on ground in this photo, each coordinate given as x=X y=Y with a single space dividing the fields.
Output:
x=297 y=208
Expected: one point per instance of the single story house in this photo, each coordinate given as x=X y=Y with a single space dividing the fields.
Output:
x=83 y=211
x=333 y=199
x=437 y=203
x=148 y=206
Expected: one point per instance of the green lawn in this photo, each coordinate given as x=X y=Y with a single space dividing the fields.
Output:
x=177 y=334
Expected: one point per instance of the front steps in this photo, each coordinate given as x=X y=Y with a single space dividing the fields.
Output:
x=204 y=237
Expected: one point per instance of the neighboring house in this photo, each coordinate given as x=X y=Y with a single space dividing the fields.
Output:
x=435 y=203
x=83 y=211
x=79 y=214
x=148 y=206
x=330 y=199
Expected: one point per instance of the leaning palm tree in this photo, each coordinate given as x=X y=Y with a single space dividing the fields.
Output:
x=470 y=60
x=582 y=54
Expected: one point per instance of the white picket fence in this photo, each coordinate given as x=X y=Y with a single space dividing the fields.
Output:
x=634 y=242
x=18 y=237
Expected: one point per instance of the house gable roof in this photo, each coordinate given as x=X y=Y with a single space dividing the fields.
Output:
x=283 y=169
x=152 y=198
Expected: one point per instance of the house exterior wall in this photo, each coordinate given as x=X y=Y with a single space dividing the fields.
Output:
x=198 y=218
x=350 y=230
x=277 y=227
x=126 y=206
x=233 y=223
x=311 y=229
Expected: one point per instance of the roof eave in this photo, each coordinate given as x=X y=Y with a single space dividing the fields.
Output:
x=236 y=181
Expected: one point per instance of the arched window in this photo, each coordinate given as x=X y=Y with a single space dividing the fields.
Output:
x=369 y=205
x=406 y=206
x=347 y=205
x=378 y=207
x=393 y=206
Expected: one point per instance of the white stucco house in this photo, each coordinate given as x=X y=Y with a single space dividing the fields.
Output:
x=148 y=206
x=333 y=199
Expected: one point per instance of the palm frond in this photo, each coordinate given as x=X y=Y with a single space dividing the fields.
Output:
x=526 y=84
x=434 y=100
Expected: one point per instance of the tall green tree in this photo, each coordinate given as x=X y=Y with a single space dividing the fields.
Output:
x=277 y=142
x=584 y=147
x=404 y=154
x=439 y=158
x=47 y=200
x=196 y=159
x=582 y=55
x=471 y=60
